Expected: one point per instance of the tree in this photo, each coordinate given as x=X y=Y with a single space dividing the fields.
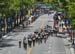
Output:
x=69 y=6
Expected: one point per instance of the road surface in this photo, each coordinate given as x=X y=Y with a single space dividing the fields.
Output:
x=54 y=45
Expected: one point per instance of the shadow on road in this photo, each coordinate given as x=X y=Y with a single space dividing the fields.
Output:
x=12 y=34
x=61 y=37
x=0 y=49
x=7 y=40
x=22 y=29
x=29 y=26
x=3 y=45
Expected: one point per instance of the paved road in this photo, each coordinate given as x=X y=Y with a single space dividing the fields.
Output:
x=53 y=45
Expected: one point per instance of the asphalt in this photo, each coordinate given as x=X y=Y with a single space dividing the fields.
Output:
x=54 y=45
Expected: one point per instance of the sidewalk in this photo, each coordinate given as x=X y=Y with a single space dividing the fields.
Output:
x=68 y=45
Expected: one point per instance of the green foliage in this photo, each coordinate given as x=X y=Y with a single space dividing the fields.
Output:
x=67 y=5
x=70 y=6
x=4 y=5
x=8 y=7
